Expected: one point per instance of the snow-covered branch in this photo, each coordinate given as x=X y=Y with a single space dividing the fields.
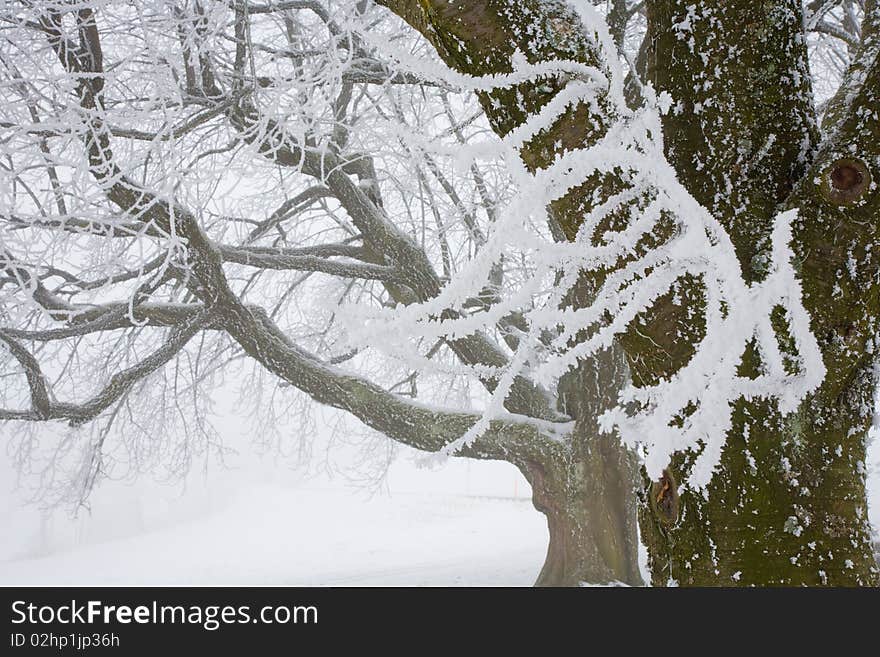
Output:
x=660 y=239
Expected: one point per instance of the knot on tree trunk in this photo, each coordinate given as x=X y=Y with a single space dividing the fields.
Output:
x=664 y=499
x=846 y=181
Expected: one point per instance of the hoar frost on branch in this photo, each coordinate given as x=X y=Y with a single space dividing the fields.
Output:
x=150 y=172
x=253 y=113
x=692 y=409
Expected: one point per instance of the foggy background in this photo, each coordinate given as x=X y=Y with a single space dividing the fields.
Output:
x=345 y=513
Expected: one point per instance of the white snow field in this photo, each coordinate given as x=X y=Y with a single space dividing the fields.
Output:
x=245 y=533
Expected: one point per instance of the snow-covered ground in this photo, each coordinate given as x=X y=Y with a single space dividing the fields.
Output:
x=275 y=535
x=467 y=524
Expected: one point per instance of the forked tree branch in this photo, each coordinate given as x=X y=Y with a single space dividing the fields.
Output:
x=406 y=421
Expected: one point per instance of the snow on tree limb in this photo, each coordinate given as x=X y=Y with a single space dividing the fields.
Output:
x=517 y=337
x=692 y=409
x=184 y=261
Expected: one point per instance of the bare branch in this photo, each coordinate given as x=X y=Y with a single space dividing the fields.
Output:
x=36 y=380
x=279 y=259
x=118 y=385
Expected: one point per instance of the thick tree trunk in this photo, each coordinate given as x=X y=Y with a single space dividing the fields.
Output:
x=589 y=495
x=787 y=505
x=590 y=517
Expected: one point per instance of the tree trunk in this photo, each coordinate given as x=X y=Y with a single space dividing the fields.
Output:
x=590 y=517
x=787 y=505
x=589 y=495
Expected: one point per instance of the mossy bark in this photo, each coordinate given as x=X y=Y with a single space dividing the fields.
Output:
x=787 y=505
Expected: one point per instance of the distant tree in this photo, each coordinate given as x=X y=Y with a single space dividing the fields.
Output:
x=587 y=243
